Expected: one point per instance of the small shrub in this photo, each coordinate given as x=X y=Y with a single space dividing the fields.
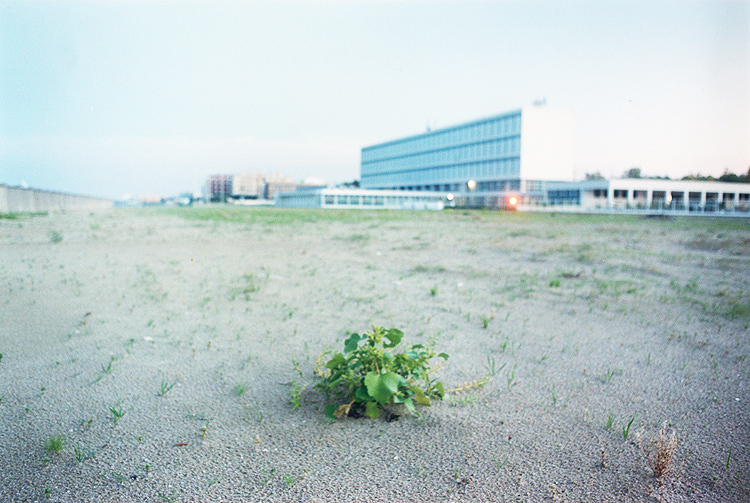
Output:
x=369 y=376
x=660 y=452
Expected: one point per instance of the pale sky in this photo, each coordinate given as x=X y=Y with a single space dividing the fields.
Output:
x=108 y=97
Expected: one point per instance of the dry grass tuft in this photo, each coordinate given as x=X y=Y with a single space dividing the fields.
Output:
x=660 y=452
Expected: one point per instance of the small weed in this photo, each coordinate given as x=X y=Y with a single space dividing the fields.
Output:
x=291 y=479
x=554 y=396
x=82 y=453
x=660 y=451
x=554 y=283
x=54 y=443
x=500 y=464
x=267 y=475
x=371 y=375
x=168 y=499
x=485 y=320
x=165 y=386
x=609 y=422
x=433 y=291
x=55 y=237
x=106 y=369
x=239 y=388
x=626 y=428
x=491 y=368
x=204 y=431
x=729 y=456
x=117 y=414
x=608 y=374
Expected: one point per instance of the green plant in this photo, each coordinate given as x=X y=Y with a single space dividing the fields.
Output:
x=82 y=453
x=608 y=374
x=610 y=421
x=295 y=393
x=491 y=368
x=371 y=375
x=239 y=388
x=117 y=414
x=267 y=475
x=554 y=283
x=291 y=479
x=165 y=386
x=55 y=443
x=55 y=237
x=626 y=428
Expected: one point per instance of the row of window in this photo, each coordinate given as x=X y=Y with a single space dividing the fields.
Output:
x=498 y=168
x=505 y=147
x=491 y=128
x=360 y=200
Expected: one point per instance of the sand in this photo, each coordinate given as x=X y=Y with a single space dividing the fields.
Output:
x=188 y=325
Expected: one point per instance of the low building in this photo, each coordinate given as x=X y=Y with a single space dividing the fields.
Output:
x=645 y=194
x=364 y=199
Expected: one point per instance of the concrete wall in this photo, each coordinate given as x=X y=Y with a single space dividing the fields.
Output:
x=18 y=199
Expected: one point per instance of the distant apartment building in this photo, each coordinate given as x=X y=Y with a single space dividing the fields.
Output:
x=248 y=186
x=481 y=162
x=276 y=183
x=218 y=188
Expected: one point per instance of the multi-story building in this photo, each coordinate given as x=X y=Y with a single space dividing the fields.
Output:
x=248 y=186
x=218 y=188
x=482 y=162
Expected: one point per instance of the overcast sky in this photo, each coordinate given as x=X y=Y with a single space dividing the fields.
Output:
x=149 y=97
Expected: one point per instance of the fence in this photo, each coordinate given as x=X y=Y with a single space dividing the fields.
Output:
x=20 y=200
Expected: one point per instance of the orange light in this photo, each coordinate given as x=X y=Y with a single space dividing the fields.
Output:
x=512 y=201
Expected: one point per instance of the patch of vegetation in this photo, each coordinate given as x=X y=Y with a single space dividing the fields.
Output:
x=55 y=237
x=15 y=215
x=55 y=443
x=369 y=376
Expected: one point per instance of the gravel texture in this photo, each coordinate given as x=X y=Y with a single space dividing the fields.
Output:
x=187 y=322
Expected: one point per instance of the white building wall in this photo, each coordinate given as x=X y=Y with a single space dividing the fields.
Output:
x=547 y=144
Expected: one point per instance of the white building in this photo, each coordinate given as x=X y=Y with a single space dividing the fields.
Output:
x=364 y=199
x=481 y=161
x=644 y=194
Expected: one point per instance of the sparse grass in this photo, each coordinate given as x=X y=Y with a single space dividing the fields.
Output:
x=607 y=376
x=165 y=386
x=55 y=443
x=239 y=388
x=117 y=413
x=82 y=453
x=491 y=368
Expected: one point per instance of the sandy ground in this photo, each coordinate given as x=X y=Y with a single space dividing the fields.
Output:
x=187 y=324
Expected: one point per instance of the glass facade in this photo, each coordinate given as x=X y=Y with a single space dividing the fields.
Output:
x=487 y=151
